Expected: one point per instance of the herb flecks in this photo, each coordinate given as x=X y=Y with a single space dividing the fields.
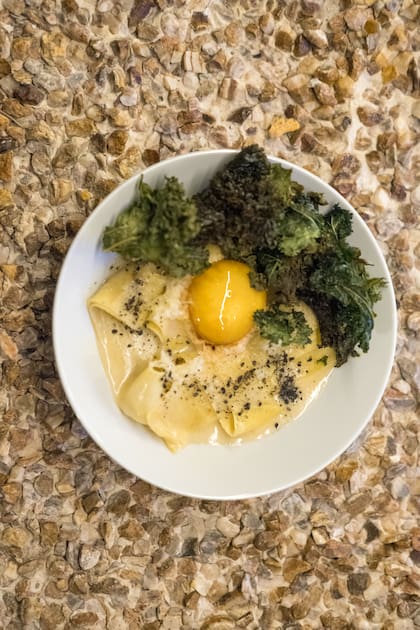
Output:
x=323 y=360
x=289 y=392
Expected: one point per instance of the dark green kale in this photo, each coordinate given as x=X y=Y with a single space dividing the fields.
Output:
x=252 y=204
x=286 y=326
x=342 y=296
x=299 y=229
x=297 y=221
x=226 y=208
x=336 y=227
x=339 y=221
x=257 y=214
x=330 y=276
x=160 y=227
x=339 y=290
x=278 y=187
x=282 y=276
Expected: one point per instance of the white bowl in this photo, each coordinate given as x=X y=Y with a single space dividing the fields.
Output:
x=291 y=455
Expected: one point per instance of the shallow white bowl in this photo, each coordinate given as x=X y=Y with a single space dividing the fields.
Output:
x=278 y=461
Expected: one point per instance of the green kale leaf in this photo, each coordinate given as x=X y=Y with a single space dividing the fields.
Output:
x=253 y=204
x=226 y=207
x=339 y=221
x=342 y=296
x=297 y=232
x=283 y=326
x=336 y=227
x=279 y=188
x=160 y=227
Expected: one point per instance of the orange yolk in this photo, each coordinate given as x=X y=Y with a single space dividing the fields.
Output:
x=222 y=302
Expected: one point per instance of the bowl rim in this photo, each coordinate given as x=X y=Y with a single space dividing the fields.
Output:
x=55 y=323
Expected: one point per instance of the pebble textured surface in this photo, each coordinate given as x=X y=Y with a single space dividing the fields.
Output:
x=91 y=92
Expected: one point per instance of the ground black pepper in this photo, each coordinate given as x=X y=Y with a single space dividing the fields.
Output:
x=288 y=391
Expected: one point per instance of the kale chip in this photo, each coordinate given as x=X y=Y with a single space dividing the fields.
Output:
x=283 y=326
x=159 y=227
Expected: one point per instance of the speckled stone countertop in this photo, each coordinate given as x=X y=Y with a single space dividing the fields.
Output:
x=91 y=92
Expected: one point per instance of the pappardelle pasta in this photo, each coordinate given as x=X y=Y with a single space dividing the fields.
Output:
x=189 y=389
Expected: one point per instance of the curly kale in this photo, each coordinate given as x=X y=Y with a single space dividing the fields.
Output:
x=257 y=214
x=282 y=276
x=283 y=326
x=343 y=296
x=159 y=227
x=253 y=204
x=226 y=208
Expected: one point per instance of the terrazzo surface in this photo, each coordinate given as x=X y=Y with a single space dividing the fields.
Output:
x=92 y=92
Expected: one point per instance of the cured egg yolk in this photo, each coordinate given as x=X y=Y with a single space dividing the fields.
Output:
x=222 y=302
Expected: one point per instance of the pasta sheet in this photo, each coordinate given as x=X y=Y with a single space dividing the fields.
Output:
x=183 y=389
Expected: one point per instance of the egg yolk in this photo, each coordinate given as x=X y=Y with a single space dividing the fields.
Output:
x=222 y=302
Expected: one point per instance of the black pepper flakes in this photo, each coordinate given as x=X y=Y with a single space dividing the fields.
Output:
x=288 y=391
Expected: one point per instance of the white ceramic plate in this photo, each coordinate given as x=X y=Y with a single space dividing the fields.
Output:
x=278 y=461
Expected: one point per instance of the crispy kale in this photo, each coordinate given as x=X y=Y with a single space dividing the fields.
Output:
x=282 y=276
x=336 y=227
x=252 y=204
x=343 y=296
x=280 y=186
x=226 y=208
x=159 y=227
x=256 y=213
x=288 y=327
x=339 y=290
x=295 y=252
